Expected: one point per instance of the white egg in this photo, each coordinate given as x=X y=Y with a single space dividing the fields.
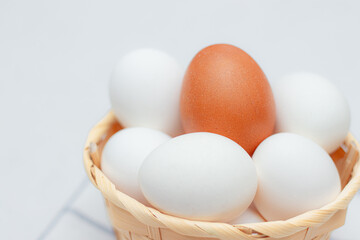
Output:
x=310 y=105
x=145 y=91
x=200 y=176
x=295 y=175
x=251 y=215
x=123 y=155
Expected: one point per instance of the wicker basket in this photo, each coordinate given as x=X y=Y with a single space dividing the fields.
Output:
x=133 y=221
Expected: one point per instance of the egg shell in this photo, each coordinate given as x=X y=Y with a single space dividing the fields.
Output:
x=145 y=91
x=310 y=105
x=251 y=215
x=225 y=92
x=123 y=155
x=199 y=176
x=295 y=175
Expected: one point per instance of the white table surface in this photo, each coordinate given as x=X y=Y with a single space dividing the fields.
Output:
x=55 y=61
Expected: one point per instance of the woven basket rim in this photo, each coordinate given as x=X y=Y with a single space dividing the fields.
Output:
x=152 y=217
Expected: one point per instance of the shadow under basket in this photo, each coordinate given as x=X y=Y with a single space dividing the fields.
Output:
x=132 y=220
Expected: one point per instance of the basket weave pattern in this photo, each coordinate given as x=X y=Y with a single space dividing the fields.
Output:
x=133 y=221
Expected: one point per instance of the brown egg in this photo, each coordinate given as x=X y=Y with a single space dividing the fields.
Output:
x=226 y=92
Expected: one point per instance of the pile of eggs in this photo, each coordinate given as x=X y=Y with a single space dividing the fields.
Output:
x=218 y=143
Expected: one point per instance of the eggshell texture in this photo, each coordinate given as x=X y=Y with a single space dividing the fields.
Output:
x=225 y=92
x=251 y=215
x=145 y=91
x=123 y=155
x=199 y=176
x=295 y=176
x=310 y=105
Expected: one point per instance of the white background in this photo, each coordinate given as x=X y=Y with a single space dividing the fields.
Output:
x=55 y=62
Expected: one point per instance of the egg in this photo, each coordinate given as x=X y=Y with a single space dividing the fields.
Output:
x=295 y=175
x=226 y=92
x=199 y=176
x=123 y=155
x=251 y=215
x=145 y=90
x=310 y=105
